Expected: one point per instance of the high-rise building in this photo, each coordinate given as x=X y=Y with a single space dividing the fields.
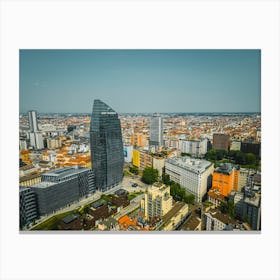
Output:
x=192 y=174
x=156 y=131
x=36 y=140
x=107 y=156
x=33 y=125
x=225 y=178
x=221 y=141
x=36 y=137
x=157 y=201
x=27 y=206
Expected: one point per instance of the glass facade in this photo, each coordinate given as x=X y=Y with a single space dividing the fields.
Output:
x=107 y=157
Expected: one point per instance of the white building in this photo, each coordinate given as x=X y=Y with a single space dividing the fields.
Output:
x=193 y=174
x=235 y=146
x=127 y=150
x=216 y=221
x=193 y=147
x=36 y=140
x=158 y=164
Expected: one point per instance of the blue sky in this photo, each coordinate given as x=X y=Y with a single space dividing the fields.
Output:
x=140 y=80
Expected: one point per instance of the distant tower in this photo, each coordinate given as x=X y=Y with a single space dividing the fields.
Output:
x=33 y=125
x=36 y=138
x=156 y=131
x=107 y=156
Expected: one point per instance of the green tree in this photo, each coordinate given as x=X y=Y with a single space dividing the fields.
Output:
x=165 y=179
x=185 y=154
x=250 y=159
x=134 y=170
x=189 y=199
x=150 y=175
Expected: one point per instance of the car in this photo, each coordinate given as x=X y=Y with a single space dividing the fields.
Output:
x=134 y=185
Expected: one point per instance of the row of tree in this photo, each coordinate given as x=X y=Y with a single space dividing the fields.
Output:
x=178 y=192
x=237 y=157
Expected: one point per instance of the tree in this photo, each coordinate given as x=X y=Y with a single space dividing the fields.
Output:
x=185 y=154
x=134 y=170
x=150 y=175
x=165 y=179
x=189 y=199
x=250 y=159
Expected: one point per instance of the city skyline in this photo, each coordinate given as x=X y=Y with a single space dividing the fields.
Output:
x=140 y=81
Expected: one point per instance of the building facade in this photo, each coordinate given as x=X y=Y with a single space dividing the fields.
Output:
x=193 y=147
x=27 y=206
x=107 y=156
x=192 y=174
x=221 y=141
x=127 y=150
x=156 y=131
x=157 y=201
x=225 y=178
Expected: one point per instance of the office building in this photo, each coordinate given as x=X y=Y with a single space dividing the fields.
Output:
x=193 y=147
x=221 y=141
x=156 y=131
x=84 y=178
x=33 y=124
x=192 y=174
x=36 y=137
x=107 y=156
x=36 y=140
x=225 y=178
x=27 y=206
x=157 y=201
x=254 y=148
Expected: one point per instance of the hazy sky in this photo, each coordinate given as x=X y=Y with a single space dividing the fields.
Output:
x=140 y=80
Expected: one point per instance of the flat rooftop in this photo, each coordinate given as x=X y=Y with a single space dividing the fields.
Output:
x=65 y=171
x=190 y=164
x=43 y=185
x=226 y=168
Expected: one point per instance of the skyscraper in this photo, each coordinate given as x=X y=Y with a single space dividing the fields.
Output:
x=156 y=131
x=36 y=138
x=33 y=125
x=107 y=157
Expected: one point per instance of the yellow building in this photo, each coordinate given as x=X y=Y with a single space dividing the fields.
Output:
x=141 y=159
x=136 y=158
x=157 y=201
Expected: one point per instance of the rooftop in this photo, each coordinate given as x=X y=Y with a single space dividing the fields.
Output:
x=65 y=171
x=191 y=223
x=43 y=185
x=70 y=218
x=226 y=168
x=191 y=164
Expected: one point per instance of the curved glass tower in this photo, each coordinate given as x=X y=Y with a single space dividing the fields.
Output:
x=106 y=145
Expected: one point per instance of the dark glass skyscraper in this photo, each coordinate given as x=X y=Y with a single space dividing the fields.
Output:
x=107 y=156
